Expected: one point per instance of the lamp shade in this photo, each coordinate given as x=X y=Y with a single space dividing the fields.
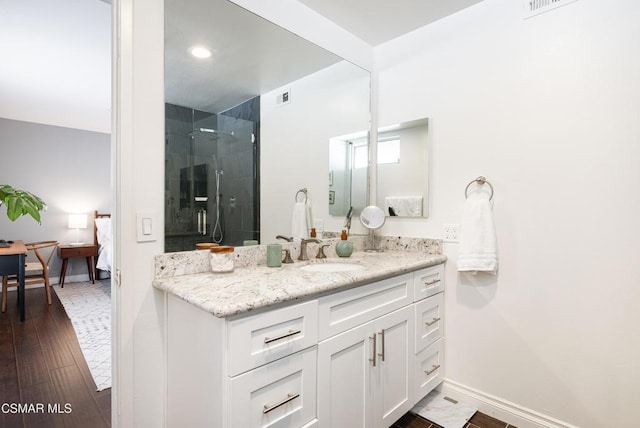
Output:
x=77 y=221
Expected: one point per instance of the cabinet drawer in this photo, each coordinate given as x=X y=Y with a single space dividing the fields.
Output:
x=280 y=394
x=341 y=311
x=429 y=369
x=259 y=339
x=429 y=321
x=428 y=281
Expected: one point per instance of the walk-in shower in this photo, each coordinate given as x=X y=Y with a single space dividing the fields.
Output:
x=211 y=178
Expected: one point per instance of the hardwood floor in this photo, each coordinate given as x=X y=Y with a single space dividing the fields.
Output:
x=42 y=367
x=41 y=364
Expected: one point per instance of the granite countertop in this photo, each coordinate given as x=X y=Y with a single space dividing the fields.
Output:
x=257 y=286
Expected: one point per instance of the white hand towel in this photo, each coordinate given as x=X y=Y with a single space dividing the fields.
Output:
x=309 y=216
x=478 y=244
x=404 y=206
x=299 y=220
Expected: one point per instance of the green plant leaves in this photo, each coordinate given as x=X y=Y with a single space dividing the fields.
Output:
x=20 y=202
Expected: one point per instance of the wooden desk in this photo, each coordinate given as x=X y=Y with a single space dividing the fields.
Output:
x=89 y=251
x=12 y=263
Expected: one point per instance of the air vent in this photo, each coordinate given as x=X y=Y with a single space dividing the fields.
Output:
x=284 y=97
x=536 y=7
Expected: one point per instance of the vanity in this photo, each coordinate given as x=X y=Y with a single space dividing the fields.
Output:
x=291 y=347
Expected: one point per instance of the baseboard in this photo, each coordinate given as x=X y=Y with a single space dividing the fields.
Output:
x=498 y=408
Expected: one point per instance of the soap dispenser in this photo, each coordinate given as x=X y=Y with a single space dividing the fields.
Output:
x=344 y=248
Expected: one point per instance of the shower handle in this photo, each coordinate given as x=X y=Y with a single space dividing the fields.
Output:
x=202 y=222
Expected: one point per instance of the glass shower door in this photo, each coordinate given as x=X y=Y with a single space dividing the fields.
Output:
x=211 y=179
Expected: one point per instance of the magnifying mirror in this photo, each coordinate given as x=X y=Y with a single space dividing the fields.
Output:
x=372 y=217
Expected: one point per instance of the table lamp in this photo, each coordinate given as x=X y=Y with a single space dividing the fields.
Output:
x=77 y=221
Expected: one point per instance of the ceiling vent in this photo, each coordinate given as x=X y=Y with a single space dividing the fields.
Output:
x=536 y=7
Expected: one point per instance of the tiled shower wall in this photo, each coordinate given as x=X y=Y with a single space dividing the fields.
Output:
x=234 y=153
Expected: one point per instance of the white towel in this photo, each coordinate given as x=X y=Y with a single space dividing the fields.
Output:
x=478 y=244
x=309 y=218
x=403 y=206
x=299 y=221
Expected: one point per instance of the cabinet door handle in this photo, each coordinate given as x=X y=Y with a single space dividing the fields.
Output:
x=290 y=397
x=284 y=336
x=435 y=320
x=204 y=222
x=381 y=354
x=435 y=367
x=430 y=283
x=373 y=354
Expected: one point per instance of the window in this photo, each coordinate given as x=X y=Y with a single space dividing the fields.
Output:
x=389 y=151
x=360 y=156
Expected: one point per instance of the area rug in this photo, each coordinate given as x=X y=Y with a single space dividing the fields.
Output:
x=89 y=308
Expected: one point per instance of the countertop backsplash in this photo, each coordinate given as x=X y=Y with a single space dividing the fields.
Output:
x=197 y=261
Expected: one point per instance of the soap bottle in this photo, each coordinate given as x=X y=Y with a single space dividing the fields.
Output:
x=344 y=248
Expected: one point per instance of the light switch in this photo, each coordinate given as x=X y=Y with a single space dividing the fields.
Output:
x=146 y=226
x=145 y=230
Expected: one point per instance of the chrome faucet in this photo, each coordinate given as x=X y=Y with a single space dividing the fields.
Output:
x=286 y=238
x=303 y=248
x=321 y=254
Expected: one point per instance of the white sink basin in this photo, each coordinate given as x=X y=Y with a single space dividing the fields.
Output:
x=331 y=267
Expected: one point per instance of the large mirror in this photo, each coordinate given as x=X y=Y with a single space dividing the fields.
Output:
x=402 y=170
x=247 y=124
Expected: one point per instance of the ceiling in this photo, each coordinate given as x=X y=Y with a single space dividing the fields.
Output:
x=56 y=55
x=383 y=20
x=251 y=56
x=56 y=62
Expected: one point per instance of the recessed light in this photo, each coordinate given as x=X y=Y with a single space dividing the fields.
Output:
x=200 y=52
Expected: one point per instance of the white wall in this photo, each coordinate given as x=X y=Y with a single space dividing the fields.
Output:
x=138 y=151
x=294 y=147
x=546 y=109
x=69 y=169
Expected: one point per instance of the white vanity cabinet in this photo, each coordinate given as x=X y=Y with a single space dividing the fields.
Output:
x=251 y=371
x=361 y=357
x=366 y=356
x=366 y=373
x=429 y=320
x=375 y=346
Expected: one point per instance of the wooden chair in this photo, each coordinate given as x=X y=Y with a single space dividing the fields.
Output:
x=35 y=272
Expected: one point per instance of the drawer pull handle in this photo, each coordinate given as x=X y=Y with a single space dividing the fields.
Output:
x=430 y=283
x=435 y=320
x=381 y=354
x=373 y=354
x=435 y=367
x=290 y=397
x=284 y=336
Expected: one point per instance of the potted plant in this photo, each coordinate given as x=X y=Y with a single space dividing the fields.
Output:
x=20 y=202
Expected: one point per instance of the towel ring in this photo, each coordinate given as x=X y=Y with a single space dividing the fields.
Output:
x=479 y=181
x=304 y=193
